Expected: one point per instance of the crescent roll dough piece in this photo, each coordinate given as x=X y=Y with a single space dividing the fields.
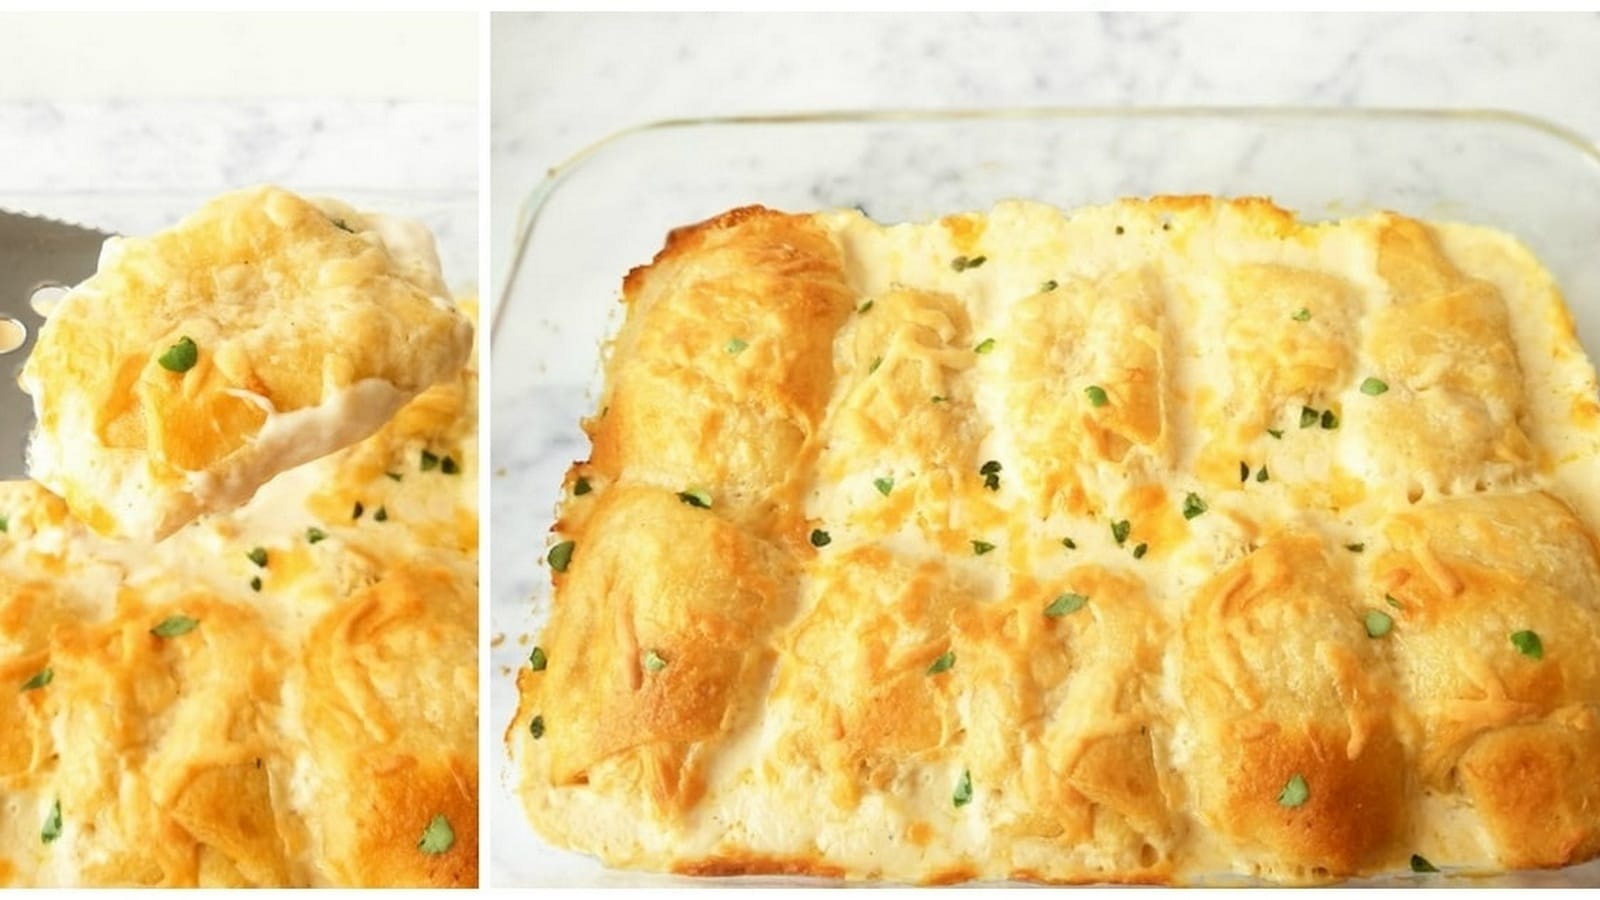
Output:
x=261 y=332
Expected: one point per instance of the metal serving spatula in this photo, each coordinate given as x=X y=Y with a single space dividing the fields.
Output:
x=35 y=254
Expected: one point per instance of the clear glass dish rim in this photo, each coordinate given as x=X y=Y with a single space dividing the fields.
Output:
x=531 y=206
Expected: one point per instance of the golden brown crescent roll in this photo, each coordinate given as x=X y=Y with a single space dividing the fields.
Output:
x=259 y=333
x=1173 y=540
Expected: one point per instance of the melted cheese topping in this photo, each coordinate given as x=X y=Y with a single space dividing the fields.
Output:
x=317 y=718
x=1219 y=441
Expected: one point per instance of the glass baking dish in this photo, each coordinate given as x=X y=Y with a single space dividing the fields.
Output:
x=610 y=207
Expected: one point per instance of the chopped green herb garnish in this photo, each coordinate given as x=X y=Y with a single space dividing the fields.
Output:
x=537 y=660
x=340 y=224
x=1069 y=543
x=52 y=824
x=5 y=523
x=255 y=584
x=1378 y=623
x=992 y=482
x=820 y=538
x=1528 y=644
x=1120 y=229
x=1372 y=387
x=962 y=263
x=1276 y=433
x=864 y=307
x=653 y=661
x=536 y=727
x=449 y=466
x=1356 y=547
x=1308 y=417
x=938 y=399
x=1193 y=506
x=1262 y=476
x=1302 y=315
x=258 y=556
x=944 y=663
x=1065 y=605
x=394 y=476
x=990 y=467
x=581 y=487
x=1392 y=601
x=1330 y=421
x=1295 y=792
x=429 y=461
x=984 y=346
x=979 y=548
x=1420 y=864
x=875 y=364
x=735 y=346
x=1244 y=472
x=315 y=535
x=1120 y=530
x=437 y=837
x=1097 y=395
x=696 y=497
x=174 y=626
x=180 y=357
x=357 y=510
x=884 y=485
x=382 y=515
x=963 y=792
x=560 y=555
x=991 y=474
x=1048 y=286
x=1140 y=551
x=41 y=678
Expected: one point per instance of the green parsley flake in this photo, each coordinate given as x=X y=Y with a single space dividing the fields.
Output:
x=1392 y=601
x=561 y=555
x=536 y=727
x=537 y=660
x=1065 y=605
x=875 y=364
x=1120 y=530
x=863 y=308
x=938 y=399
x=52 y=824
x=1069 y=543
x=1193 y=506
x=1330 y=421
x=1301 y=315
x=697 y=497
x=180 y=357
x=1379 y=623
x=1420 y=864
x=962 y=263
x=255 y=584
x=382 y=515
x=43 y=677
x=395 y=476
x=1295 y=793
x=581 y=487
x=429 y=461
x=884 y=485
x=1048 y=286
x=1097 y=395
x=984 y=346
x=1372 y=387
x=1308 y=417
x=979 y=548
x=1262 y=476
x=945 y=662
x=1355 y=548
x=1244 y=472
x=449 y=466
x=1139 y=551
x=820 y=538
x=735 y=346
x=258 y=556
x=1277 y=433
x=173 y=626
x=1528 y=644
x=437 y=837
x=991 y=474
x=5 y=523
x=315 y=535
x=963 y=792
x=653 y=661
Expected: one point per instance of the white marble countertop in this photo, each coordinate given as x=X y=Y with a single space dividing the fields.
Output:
x=562 y=82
